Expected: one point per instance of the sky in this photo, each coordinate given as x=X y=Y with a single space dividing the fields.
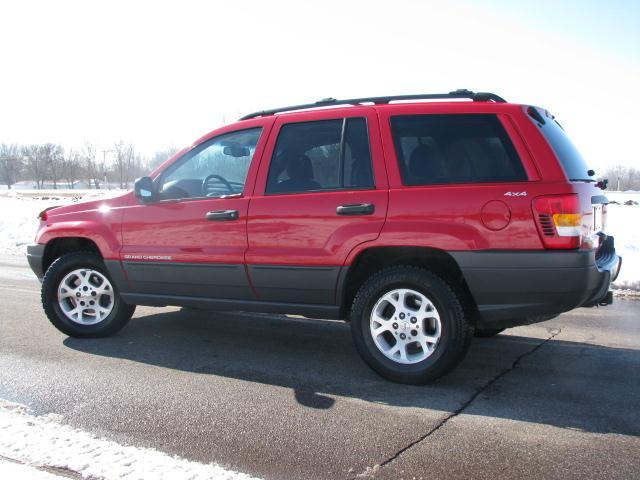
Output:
x=165 y=73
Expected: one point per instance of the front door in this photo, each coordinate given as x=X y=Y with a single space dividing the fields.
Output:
x=321 y=191
x=191 y=241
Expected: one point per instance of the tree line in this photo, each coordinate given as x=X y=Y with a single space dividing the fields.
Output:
x=122 y=164
x=622 y=178
x=54 y=165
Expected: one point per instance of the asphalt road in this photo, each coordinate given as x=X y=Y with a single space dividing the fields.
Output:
x=284 y=398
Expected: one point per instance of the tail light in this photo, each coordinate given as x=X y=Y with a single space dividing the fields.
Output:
x=559 y=220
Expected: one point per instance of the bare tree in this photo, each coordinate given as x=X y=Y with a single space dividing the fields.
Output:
x=623 y=178
x=36 y=163
x=53 y=155
x=10 y=164
x=89 y=165
x=124 y=161
x=136 y=168
x=70 y=168
x=161 y=156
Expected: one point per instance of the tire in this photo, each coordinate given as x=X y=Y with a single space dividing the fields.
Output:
x=420 y=363
x=488 y=332
x=81 y=277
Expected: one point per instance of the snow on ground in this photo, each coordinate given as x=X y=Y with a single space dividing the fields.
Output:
x=43 y=441
x=20 y=209
x=623 y=222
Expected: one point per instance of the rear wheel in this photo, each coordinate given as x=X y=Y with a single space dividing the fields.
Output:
x=409 y=325
x=80 y=299
x=488 y=332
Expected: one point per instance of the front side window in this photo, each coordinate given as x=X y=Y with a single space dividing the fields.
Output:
x=321 y=155
x=217 y=167
x=443 y=149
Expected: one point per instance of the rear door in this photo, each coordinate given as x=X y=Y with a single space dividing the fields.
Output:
x=458 y=181
x=191 y=241
x=321 y=191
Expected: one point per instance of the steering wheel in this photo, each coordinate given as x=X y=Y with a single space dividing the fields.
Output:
x=224 y=181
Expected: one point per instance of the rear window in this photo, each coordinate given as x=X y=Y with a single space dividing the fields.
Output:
x=574 y=165
x=443 y=149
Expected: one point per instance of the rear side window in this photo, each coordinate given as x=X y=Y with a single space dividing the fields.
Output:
x=574 y=165
x=321 y=155
x=442 y=149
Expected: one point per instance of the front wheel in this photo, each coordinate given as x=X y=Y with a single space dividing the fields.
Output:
x=80 y=299
x=409 y=325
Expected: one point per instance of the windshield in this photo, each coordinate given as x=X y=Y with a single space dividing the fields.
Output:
x=574 y=165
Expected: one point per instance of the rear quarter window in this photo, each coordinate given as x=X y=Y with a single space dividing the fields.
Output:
x=461 y=148
x=572 y=162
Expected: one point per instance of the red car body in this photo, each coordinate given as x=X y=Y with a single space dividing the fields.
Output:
x=292 y=253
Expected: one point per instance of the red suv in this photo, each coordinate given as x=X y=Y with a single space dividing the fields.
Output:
x=421 y=219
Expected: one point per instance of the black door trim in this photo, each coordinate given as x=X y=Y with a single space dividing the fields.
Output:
x=295 y=283
x=210 y=280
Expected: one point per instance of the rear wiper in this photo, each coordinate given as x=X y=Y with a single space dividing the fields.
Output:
x=590 y=173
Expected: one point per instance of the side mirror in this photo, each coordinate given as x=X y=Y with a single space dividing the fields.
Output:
x=144 y=189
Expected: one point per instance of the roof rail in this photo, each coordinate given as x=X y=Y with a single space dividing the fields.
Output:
x=327 y=102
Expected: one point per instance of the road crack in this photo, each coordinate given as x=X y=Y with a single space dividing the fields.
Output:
x=370 y=471
x=58 y=471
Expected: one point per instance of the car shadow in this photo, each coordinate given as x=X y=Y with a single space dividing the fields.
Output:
x=565 y=384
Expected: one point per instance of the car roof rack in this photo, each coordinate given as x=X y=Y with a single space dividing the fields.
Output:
x=328 y=102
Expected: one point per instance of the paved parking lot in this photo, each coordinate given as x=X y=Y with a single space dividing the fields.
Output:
x=284 y=398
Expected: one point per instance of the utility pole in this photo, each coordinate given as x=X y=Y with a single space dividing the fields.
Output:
x=104 y=166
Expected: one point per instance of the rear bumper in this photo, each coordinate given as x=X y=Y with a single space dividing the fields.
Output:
x=517 y=288
x=35 y=253
x=608 y=264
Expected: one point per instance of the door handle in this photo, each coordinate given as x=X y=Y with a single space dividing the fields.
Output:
x=221 y=215
x=357 y=209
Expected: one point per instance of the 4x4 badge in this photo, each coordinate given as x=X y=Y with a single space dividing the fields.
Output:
x=515 y=194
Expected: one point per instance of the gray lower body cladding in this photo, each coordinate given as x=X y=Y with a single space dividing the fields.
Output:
x=262 y=288
x=509 y=288
x=518 y=288
x=35 y=256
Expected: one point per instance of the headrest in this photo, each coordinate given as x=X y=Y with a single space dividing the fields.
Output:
x=300 y=168
x=424 y=163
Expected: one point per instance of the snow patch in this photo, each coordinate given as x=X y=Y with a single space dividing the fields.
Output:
x=43 y=441
x=623 y=222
